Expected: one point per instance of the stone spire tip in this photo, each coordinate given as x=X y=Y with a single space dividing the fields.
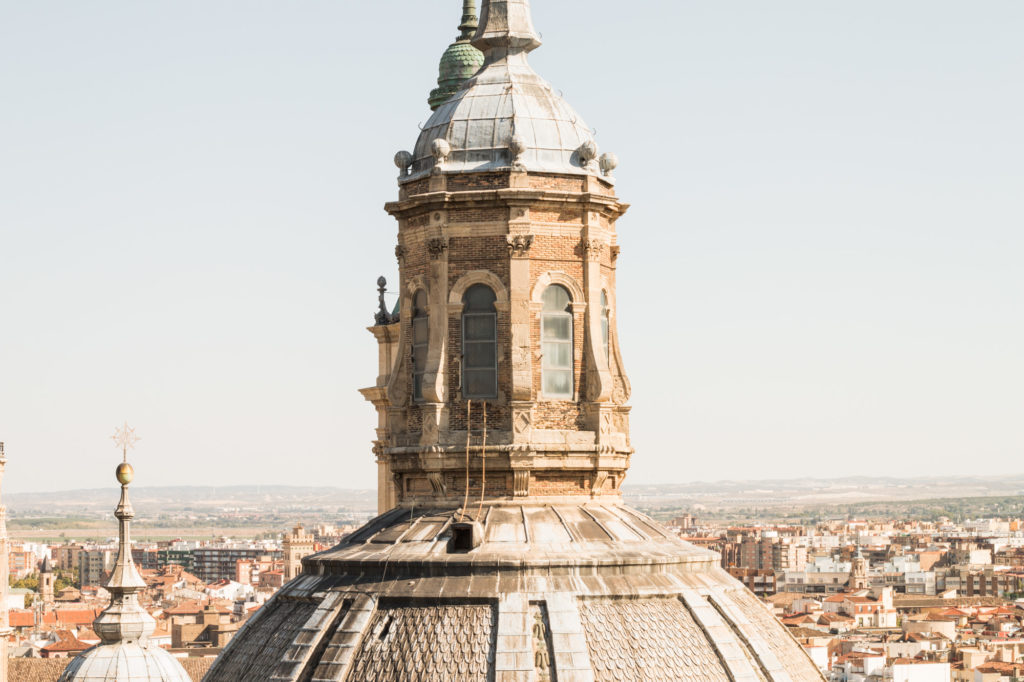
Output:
x=469 y=23
x=506 y=24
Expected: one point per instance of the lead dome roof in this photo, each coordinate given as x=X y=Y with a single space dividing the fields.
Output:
x=592 y=591
x=506 y=98
x=125 y=661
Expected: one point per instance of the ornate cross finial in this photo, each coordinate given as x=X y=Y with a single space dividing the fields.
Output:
x=125 y=438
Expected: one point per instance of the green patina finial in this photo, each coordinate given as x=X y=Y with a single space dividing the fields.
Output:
x=460 y=61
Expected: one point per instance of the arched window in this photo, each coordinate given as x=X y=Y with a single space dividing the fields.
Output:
x=420 y=342
x=605 y=327
x=556 y=337
x=479 y=343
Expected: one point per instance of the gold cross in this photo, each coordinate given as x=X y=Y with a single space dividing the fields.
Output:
x=125 y=438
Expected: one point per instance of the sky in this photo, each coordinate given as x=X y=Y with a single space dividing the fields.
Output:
x=821 y=271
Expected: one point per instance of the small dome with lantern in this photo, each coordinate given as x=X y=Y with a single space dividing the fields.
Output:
x=506 y=115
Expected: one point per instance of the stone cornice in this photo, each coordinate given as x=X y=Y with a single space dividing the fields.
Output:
x=505 y=198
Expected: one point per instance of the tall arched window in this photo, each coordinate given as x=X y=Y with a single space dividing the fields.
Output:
x=420 y=342
x=556 y=337
x=479 y=343
x=605 y=327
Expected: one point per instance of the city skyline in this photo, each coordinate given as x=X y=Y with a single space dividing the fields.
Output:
x=819 y=272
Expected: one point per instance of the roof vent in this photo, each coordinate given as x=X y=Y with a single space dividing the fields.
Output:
x=466 y=536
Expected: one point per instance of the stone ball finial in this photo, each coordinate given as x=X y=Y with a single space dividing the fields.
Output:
x=608 y=162
x=125 y=473
x=441 y=149
x=403 y=160
x=382 y=282
x=587 y=152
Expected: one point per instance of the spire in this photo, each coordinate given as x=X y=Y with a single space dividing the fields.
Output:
x=124 y=620
x=460 y=61
x=506 y=24
x=469 y=23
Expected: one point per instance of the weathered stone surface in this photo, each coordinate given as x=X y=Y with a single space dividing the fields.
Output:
x=592 y=591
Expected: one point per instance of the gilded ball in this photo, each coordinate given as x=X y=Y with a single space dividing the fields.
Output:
x=125 y=473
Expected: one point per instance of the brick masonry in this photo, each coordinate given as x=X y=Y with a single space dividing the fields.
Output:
x=517 y=233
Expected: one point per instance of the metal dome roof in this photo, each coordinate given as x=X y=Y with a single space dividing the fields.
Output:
x=575 y=591
x=506 y=115
x=125 y=661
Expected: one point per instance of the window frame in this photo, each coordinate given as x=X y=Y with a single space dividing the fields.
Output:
x=493 y=369
x=545 y=367
x=420 y=320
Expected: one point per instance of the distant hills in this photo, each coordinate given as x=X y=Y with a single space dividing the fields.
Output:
x=710 y=495
x=200 y=499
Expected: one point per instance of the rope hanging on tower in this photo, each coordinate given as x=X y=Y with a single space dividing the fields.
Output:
x=469 y=431
x=483 y=466
x=483 y=461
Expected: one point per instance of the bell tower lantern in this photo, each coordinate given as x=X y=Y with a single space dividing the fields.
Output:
x=507 y=249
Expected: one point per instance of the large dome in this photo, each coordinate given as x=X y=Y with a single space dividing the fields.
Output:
x=592 y=591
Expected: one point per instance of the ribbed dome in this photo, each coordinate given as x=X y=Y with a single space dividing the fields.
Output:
x=125 y=661
x=507 y=100
x=588 y=591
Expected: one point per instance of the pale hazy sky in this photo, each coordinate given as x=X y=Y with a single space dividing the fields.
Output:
x=822 y=272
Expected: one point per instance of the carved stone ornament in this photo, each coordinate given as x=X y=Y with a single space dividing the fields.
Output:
x=593 y=248
x=403 y=160
x=608 y=162
x=587 y=153
x=519 y=245
x=382 y=316
x=521 y=483
x=437 y=247
x=400 y=254
x=437 y=483
x=441 y=150
x=522 y=422
x=614 y=251
x=542 y=650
